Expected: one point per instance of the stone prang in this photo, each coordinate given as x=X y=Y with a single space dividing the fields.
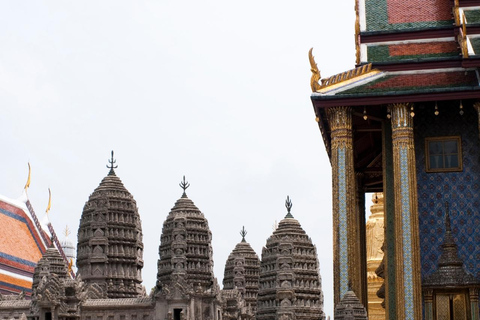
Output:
x=110 y=248
x=186 y=246
x=290 y=284
x=186 y=286
x=240 y=281
x=350 y=308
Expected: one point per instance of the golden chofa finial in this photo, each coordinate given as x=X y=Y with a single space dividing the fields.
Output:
x=314 y=80
x=49 y=201
x=27 y=185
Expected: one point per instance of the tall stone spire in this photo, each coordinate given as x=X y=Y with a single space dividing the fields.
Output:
x=242 y=272
x=186 y=245
x=110 y=248
x=290 y=285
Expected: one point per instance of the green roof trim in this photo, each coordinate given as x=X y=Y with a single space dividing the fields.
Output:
x=476 y=45
x=381 y=53
x=473 y=16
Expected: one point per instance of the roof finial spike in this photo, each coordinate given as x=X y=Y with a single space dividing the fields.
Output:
x=448 y=227
x=288 y=205
x=184 y=185
x=112 y=166
x=49 y=201
x=243 y=233
x=27 y=185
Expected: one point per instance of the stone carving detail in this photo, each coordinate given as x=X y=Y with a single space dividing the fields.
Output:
x=185 y=246
x=350 y=308
x=110 y=229
x=240 y=282
x=289 y=284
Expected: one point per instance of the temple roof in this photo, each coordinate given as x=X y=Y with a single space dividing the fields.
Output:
x=377 y=85
x=21 y=246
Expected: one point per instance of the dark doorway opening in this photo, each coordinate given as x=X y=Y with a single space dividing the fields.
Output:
x=176 y=314
x=48 y=316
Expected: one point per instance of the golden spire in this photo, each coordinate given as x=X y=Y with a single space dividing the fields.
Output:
x=67 y=231
x=70 y=264
x=49 y=201
x=27 y=185
x=315 y=72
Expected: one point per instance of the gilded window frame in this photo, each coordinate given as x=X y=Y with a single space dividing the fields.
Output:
x=459 y=154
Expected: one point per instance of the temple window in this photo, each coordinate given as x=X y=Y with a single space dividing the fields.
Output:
x=443 y=154
x=451 y=306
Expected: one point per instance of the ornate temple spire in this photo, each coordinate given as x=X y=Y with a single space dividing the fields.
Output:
x=184 y=185
x=110 y=247
x=290 y=286
x=186 y=246
x=450 y=270
x=241 y=276
x=350 y=308
x=112 y=166
x=243 y=233
x=288 y=205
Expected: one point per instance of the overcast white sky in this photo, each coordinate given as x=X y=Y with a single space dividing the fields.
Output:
x=214 y=90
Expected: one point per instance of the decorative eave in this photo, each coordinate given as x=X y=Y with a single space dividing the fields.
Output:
x=392 y=97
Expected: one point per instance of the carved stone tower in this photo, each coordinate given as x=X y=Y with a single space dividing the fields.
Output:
x=110 y=248
x=290 y=285
x=186 y=246
x=350 y=308
x=50 y=263
x=186 y=286
x=241 y=274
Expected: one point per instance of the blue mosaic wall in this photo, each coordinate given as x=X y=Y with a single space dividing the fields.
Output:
x=460 y=189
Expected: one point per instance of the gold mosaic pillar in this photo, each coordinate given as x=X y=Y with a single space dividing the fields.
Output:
x=346 y=256
x=407 y=246
x=375 y=238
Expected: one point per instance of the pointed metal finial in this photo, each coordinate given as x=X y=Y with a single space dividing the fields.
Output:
x=112 y=165
x=184 y=185
x=447 y=218
x=243 y=233
x=288 y=205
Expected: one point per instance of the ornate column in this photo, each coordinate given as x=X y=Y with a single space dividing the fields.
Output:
x=476 y=105
x=474 y=303
x=428 y=298
x=346 y=237
x=362 y=243
x=407 y=246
